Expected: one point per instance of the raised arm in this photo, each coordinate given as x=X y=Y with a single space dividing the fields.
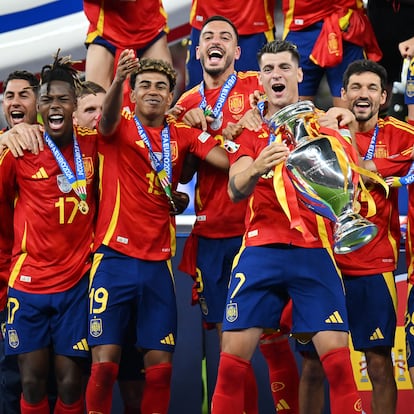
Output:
x=112 y=105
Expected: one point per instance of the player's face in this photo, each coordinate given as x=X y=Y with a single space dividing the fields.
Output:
x=152 y=97
x=364 y=95
x=217 y=49
x=56 y=106
x=89 y=109
x=280 y=75
x=19 y=104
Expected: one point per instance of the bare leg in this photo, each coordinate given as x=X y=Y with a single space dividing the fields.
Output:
x=159 y=50
x=311 y=386
x=69 y=378
x=34 y=368
x=99 y=66
x=381 y=374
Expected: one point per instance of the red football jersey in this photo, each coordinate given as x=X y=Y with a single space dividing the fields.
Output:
x=267 y=220
x=6 y=237
x=217 y=216
x=300 y=14
x=249 y=16
x=125 y=24
x=393 y=147
x=52 y=238
x=134 y=214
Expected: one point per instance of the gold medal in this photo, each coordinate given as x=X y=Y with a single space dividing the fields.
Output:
x=83 y=207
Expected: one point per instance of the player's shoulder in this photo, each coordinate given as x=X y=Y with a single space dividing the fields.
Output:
x=4 y=155
x=85 y=132
x=391 y=122
x=248 y=76
x=190 y=94
x=127 y=114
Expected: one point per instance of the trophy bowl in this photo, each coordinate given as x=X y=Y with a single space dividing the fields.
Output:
x=322 y=177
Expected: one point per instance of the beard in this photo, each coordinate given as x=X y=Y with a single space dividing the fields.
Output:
x=216 y=71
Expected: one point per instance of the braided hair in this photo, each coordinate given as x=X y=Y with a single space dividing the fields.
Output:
x=61 y=69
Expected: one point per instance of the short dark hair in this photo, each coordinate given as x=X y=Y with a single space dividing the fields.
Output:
x=23 y=75
x=89 y=87
x=278 y=46
x=219 y=18
x=365 y=65
x=155 y=65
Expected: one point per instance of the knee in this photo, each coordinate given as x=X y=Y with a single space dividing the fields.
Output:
x=380 y=367
x=34 y=388
x=70 y=389
x=312 y=371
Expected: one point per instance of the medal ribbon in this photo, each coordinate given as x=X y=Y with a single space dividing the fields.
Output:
x=261 y=106
x=163 y=168
x=365 y=195
x=371 y=149
x=224 y=93
x=78 y=180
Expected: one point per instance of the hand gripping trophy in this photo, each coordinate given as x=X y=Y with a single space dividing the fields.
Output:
x=321 y=172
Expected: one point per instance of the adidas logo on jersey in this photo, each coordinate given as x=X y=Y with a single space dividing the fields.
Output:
x=168 y=340
x=377 y=334
x=40 y=174
x=334 y=318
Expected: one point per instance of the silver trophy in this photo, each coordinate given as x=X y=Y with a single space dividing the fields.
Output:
x=320 y=179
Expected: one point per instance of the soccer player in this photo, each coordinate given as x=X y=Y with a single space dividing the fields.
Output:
x=255 y=23
x=370 y=268
x=53 y=230
x=131 y=376
x=89 y=105
x=19 y=106
x=217 y=103
x=277 y=261
x=141 y=161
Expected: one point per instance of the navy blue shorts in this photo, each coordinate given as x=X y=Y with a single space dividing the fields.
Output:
x=36 y=321
x=121 y=285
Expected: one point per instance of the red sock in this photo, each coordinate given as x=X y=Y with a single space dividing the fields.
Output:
x=251 y=405
x=156 y=396
x=75 y=408
x=100 y=386
x=41 y=407
x=343 y=392
x=410 y=121
x=228 y=395
x=283 y=372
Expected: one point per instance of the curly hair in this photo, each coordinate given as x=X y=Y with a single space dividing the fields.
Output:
x=155 y=65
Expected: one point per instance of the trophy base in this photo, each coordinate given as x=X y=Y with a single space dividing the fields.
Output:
x=353 y=232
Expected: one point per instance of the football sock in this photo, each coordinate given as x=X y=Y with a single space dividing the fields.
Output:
x=251 y=405
x=228 y=395
x=75 y=408
x=100 y=386
x=283 y=372
x=41 y=407
x=343 y=392
x=156 y=396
